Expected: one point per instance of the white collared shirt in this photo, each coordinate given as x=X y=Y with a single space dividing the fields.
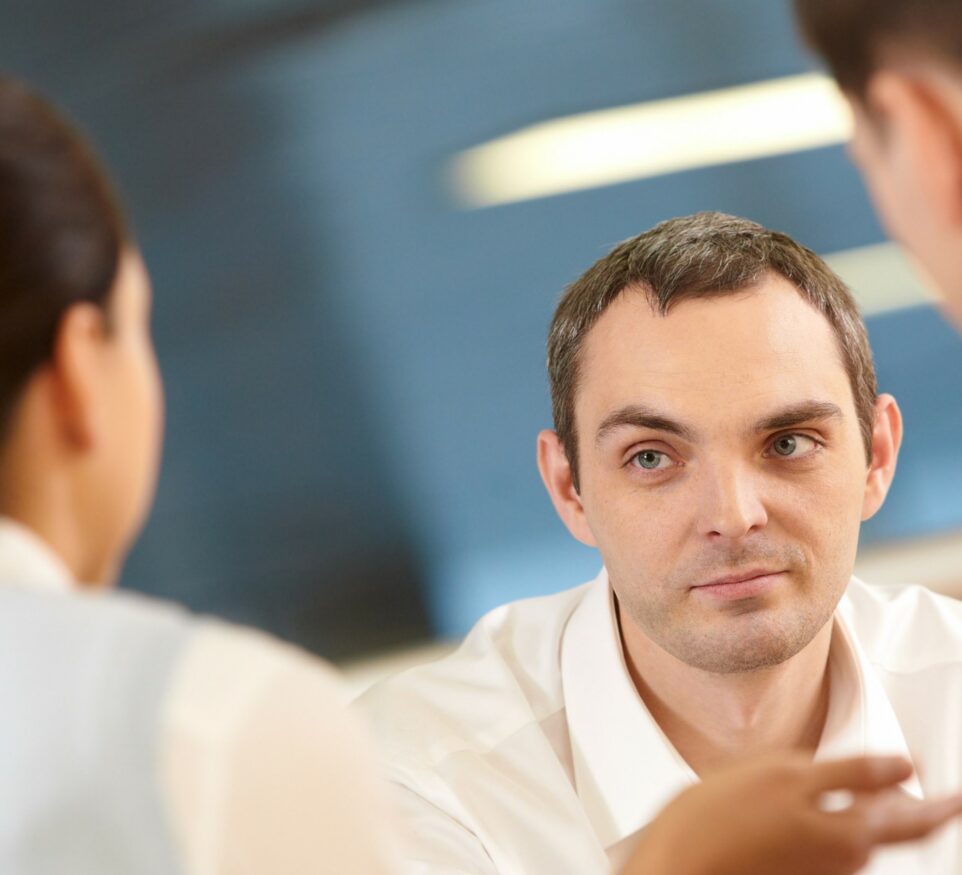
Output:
x=530 y=751
x=260 y=767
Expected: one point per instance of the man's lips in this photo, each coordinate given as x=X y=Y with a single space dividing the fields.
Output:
x=741 y=584
x=740 y=576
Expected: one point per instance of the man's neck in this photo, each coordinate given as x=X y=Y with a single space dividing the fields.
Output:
x=713 y=719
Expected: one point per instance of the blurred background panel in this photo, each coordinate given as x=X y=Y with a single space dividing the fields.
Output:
x=358 y=217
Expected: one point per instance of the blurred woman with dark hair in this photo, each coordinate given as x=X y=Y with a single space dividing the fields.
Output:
x=135 y=739
x=80 y=396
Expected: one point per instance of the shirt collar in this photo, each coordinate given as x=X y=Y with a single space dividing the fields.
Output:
x=26 y=561
x=625 y=768
x=860 y=719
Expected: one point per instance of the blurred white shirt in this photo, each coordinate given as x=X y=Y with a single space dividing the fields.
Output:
x=529 y=750
x=261 y=768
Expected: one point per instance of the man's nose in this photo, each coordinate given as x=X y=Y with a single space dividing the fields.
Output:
x=731 y=504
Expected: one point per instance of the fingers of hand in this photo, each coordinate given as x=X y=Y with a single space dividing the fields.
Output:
x=895 y=817
x=884 y=818
x=861 y=774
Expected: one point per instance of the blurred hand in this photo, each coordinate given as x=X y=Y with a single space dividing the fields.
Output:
x=767 y=817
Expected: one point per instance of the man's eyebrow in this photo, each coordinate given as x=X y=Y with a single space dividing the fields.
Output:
x=797 y=414
x=639 y=416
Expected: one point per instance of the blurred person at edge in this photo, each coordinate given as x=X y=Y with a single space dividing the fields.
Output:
x=134 y=738
x=719 y=437
x=899 y=63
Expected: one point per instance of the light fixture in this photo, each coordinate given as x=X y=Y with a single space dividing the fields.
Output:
x=611 y=146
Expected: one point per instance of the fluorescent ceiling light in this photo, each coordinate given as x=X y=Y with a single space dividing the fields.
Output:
x=610 y=146
x=882 y=278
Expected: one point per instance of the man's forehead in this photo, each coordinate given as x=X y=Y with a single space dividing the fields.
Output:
x=744 y=351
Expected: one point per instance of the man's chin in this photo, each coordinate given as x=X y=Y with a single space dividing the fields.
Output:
x=748 y=642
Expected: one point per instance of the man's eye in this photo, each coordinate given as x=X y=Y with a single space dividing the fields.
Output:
x=792 y=445
x=651 y=460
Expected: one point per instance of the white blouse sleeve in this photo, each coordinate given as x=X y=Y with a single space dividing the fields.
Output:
x=264 y=769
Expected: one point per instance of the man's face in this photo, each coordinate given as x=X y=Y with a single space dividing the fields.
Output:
x=720 y=443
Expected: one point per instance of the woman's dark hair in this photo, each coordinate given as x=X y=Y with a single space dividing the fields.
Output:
x=61 y=233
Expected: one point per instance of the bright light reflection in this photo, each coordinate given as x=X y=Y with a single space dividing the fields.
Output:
x=610 y=146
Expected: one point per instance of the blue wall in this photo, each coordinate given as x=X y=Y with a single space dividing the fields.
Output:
x=354 y=363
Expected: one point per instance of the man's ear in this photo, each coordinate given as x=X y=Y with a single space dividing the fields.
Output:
x=886 y=440
x=922 y=127
x=75 y=374
x=557 y=476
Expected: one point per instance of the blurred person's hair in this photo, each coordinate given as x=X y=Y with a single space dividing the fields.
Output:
x=856 y=36
x=699 y=256
x=61 y=233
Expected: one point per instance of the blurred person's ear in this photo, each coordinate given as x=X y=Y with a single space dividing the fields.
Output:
x=918 y=118
x=76 y=375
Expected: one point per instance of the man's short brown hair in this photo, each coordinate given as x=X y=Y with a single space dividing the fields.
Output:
x=701 y=256
x=855 y=36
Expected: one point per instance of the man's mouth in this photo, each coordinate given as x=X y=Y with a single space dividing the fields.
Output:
x=747 y=583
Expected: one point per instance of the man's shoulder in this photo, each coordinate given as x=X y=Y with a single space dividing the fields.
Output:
x=504 y=676
x=905 y=628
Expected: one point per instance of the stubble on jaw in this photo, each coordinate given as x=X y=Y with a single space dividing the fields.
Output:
x=745 y=636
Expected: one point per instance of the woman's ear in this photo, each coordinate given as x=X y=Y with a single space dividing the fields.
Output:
x=75 y=371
